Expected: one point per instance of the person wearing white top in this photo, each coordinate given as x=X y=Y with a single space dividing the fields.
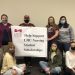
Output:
x=70 y=59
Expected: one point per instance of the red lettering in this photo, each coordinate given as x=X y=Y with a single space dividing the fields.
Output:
x=17 y=30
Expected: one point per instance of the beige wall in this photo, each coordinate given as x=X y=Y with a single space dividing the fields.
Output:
x=39 y=10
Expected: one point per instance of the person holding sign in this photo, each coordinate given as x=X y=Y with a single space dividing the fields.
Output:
x=5 y=35
x=9 y=66
x=27 y=24
x=53 y=66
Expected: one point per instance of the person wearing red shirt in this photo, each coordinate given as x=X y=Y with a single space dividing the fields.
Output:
x=5 y=35
x=52 y=31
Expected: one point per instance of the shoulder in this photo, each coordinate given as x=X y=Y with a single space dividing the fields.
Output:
x=56 y=27
x=9 y=24
x=68 y=52
x=58 y=51
x=31 y=24
x=70 y=27
x=22 y=24
x=1 y=24
x=47 y=26
x=7 y=55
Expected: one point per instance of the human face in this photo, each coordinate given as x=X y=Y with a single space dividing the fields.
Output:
x=54 y=47
x=73 y=46
x=12 y=50
x=4 y=19
x=26 y=20
x=63 y=20
x=51 y=20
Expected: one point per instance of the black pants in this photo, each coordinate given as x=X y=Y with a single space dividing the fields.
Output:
x=28 y=60
x=68 y=72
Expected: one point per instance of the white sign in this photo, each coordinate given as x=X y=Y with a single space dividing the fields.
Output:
x=30 y=41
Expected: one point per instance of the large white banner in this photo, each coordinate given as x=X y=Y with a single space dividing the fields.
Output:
x=30 y=41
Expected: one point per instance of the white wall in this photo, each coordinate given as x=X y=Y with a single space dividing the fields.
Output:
x=39 y=10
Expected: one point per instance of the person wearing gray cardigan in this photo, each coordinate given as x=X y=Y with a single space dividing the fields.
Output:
x=66 y=34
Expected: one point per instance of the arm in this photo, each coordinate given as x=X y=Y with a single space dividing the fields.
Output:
x=8 y=63
x=10 y=36
x=68 y=61
x=71 y=33
x=56 y=34
x=11 y=62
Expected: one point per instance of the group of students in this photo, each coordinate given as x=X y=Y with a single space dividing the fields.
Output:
x=60 y=39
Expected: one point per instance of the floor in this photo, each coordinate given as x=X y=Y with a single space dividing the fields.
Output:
x=35 y=69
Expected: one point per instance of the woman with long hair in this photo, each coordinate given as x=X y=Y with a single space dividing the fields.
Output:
x=70 y=60
x=54 y=63
x=52 y=30
x=9 y=66
x=66 y=34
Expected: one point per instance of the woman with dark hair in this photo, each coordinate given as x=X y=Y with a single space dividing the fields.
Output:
x=70 y=60
x=53 y=66
x=65 y=34
x=52 y=31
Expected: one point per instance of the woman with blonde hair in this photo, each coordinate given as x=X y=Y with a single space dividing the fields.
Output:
x=9 y=66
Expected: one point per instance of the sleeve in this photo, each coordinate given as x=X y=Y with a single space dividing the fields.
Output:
x=71 y=33
x=10 y=62
x=7 y=64
x=10 y=33
x=49 y=55
x=68 y=61
x=4 y=67
x=32 y=25
x=57 y=60
x=59 y=57
x=56 y=27
x=20 y=25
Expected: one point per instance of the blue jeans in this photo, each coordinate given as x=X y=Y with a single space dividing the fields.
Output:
x=63 y=46
x=56 y=70
x=44 y=65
